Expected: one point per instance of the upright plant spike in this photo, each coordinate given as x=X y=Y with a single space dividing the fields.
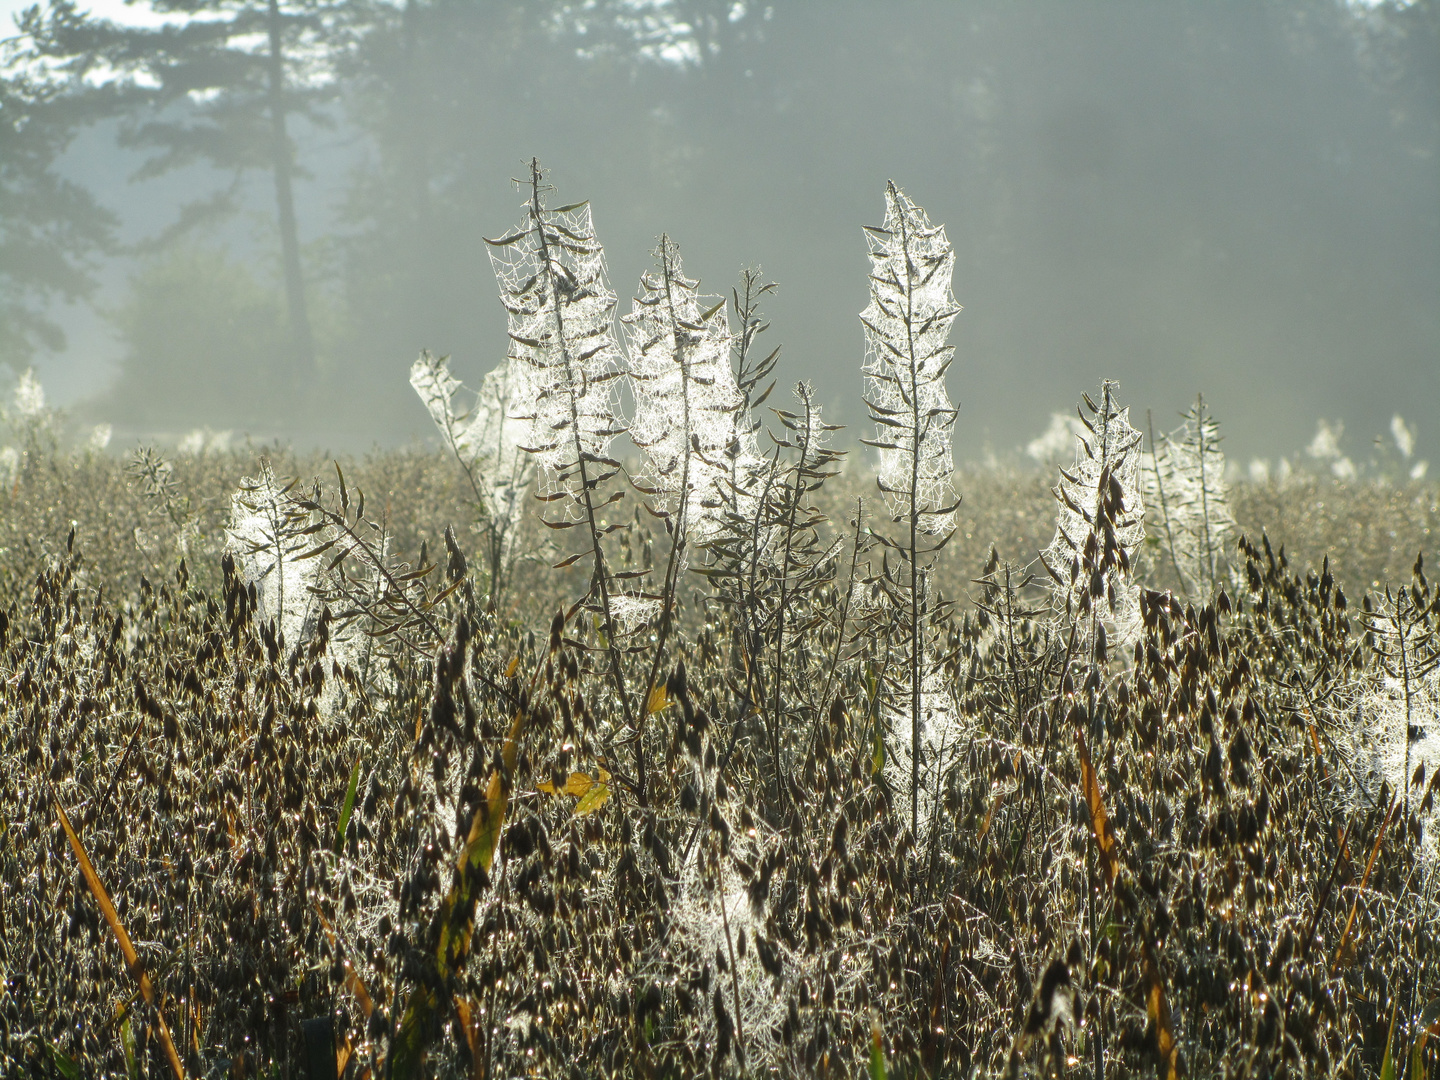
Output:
x=686 y=399
x=685 y=403
x=1189 y=472
x=1100 y=522
x=907 y=326
x=1392 y=725
x=551 y=273
x=485 y=439
x=268 y=534
x=747 y=465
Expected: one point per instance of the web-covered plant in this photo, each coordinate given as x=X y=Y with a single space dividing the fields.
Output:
x=551 y=272
x=747 y=466
x=269 y=536
x=907 y=330
x=1397 y=737
x=1184 y=478
x=1100 y=523
x=485 y=440
x=686 y=399
x=561 y=311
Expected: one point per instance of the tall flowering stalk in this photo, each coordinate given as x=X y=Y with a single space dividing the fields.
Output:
x=686 y=401
x=686 y=398
x=1186 y=478
x=551 y=273
x=907 y=327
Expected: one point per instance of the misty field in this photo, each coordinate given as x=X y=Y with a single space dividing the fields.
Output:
x=731 y=752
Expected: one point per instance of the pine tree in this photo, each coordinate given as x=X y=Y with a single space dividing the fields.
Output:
x=224 y=86
x=49 y=226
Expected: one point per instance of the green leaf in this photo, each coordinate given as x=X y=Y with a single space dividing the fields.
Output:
x=127 y=1044
x=69 y=1068
x=1387 y=1064
x=348 y=808
x=877 y=1056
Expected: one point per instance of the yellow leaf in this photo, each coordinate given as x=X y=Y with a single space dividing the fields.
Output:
x=546 y=786
x=659 y=698
x=485 y=826
x=593 y=799
x=990 y=815
x=578 y=784
x=511 y=751
x=513 y=666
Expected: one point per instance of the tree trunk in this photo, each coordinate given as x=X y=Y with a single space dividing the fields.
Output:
x=302 y=342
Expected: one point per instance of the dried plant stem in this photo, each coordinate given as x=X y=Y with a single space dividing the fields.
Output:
x=1160 y=487
x=132 y=958
x=601 y=578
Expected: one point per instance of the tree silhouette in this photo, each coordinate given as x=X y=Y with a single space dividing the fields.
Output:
x=49 y=226
x=221 y=84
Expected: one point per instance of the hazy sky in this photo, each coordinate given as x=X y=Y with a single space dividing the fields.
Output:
x=1184 y=196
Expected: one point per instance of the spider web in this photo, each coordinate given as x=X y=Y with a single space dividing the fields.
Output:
x=686 y=397
x=566 y=361
x=907 y=324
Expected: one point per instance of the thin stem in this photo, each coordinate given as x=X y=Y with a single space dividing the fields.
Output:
x=601 y=576
x=916 y=436
x=734 y=973
x=791 y=510
x=1206 y=563
x=680 y=524
x=1160 y=487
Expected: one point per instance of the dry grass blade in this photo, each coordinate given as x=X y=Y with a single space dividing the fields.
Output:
x=1157 y=1007
x=1364 y=880
x=1099 y=820
x=132 y=958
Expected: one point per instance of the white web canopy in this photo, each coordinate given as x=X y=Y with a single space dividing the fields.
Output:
x=485 y=438
x=263 y=536
x=686 y=397
x=1185 y=477
x=1094 y=547
x=551 y=273
x=907 y=324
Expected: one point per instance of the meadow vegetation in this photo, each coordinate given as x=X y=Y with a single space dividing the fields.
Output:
x=724 y=754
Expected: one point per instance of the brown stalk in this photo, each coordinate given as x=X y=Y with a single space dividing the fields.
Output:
x=132 y=958
x=1369 y=865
